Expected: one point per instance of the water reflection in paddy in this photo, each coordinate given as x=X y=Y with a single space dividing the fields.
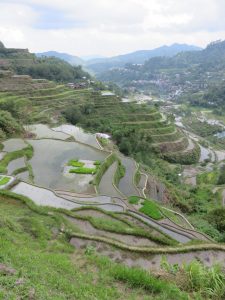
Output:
x=14 y=145
x=79 y=134
x=50 y=157
x=43 y=131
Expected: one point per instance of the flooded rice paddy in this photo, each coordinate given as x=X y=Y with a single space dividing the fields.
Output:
x=126 y=184
x=50 y=157
x=45 y=197
x=43 y=131
x=15 y=165
x=79 y=134
x=14 y=145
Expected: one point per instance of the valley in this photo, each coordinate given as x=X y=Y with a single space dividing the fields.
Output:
x=88 y=176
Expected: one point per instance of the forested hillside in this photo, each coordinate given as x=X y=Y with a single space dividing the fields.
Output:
x=24 y=63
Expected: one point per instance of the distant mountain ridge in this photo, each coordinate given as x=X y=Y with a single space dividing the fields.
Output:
x=138 y=57
x=102 y=64
x=71 y=59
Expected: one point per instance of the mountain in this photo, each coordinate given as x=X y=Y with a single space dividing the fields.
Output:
x=71 y=59
x=138 y=57
x=186 y=71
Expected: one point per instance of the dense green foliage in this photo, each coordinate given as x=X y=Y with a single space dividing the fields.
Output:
x=8 y=125
x=52 y=69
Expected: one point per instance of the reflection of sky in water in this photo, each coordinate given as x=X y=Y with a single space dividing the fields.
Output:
x=50 y=157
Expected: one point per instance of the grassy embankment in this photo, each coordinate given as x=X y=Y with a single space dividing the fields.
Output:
x=38 y=262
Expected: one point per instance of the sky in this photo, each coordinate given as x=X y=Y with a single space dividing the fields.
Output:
x=109 y=27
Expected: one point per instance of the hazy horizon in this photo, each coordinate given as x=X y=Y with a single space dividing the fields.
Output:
x=109 y=28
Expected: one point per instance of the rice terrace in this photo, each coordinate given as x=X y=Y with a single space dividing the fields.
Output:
x=99 y=196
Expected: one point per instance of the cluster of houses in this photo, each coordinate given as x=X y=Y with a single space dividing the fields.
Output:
x=81 y=84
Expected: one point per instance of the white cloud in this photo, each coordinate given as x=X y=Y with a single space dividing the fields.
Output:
x=109 y=27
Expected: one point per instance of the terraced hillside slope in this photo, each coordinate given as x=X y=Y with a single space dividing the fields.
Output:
x=37 y=260
x=63 y=188
x=95 y=111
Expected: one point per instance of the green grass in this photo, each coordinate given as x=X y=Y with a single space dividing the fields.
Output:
x=49 y=267
x=135 y=277
x=151 y=209
x=4 y=180
x=33 y=244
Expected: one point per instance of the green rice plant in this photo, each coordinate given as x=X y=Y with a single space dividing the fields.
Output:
x=134 y=199
x=83 y=170
x=4 y=180
x=151 y=209
x=75 y=163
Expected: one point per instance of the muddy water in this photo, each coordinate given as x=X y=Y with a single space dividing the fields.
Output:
x=126 y=184
x=150 y=261
x=50 y=157
x=79 y=134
